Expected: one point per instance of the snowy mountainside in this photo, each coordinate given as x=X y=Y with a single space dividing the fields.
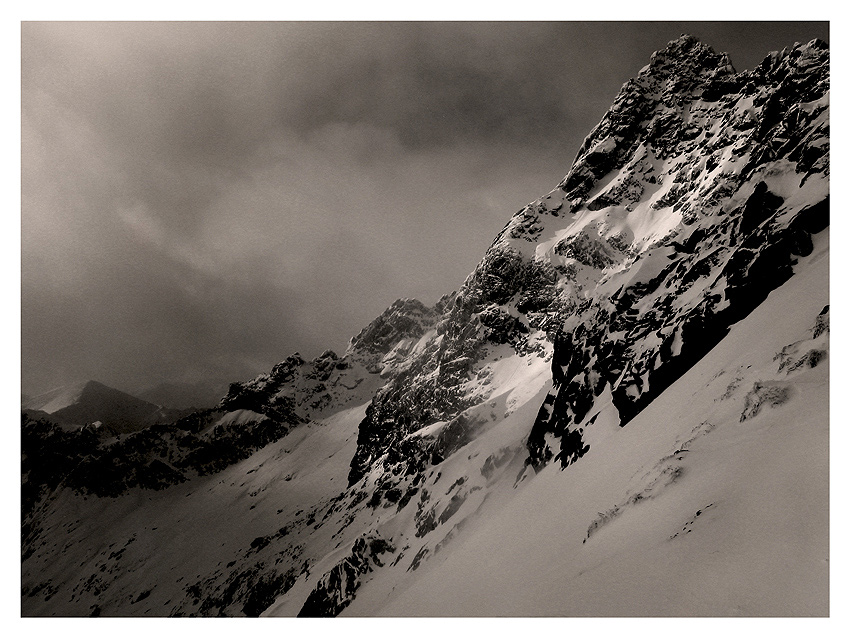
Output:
x=111 y=410
x=712 y=501
x=53 y=400
x=598 y=403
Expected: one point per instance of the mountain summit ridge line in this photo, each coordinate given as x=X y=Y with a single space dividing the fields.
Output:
x=596 y=403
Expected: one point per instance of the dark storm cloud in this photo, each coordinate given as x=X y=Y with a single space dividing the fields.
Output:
x=202 y=199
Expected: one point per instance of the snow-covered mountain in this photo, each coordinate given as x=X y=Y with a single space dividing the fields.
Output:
x=96 y=405
x=622 y=411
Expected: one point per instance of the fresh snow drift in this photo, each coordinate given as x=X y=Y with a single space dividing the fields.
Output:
x=623 y=410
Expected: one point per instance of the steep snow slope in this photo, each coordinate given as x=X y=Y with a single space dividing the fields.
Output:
x=626 y=393
x=448 y=497
x=143 y=553
x=703 y=505
x=55 y=399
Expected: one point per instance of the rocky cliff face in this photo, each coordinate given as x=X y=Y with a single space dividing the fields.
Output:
x=717 y=181
x=685 y=207
x=695 y=197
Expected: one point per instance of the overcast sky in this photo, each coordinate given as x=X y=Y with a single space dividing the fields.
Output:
x=200 y=200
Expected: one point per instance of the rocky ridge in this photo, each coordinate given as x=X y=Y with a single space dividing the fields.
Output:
x=694 y=198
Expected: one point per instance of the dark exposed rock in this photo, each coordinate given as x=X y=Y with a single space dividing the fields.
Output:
x=737 y=265
x=336 y=589
x=585 y=250
x=760 y=206
x=157 y=474
x=764 y=394
x=626 y=316
x=248 y=591
x=430 y=388
x=257 y=395
x=821 y=323
x=501 y=326
x=453 y=436
x=404 y=319
x=265 y=589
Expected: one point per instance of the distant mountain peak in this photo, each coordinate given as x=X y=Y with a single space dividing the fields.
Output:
x=646 y=332
x=55 y=399
x=405 y=318
x=82 y=403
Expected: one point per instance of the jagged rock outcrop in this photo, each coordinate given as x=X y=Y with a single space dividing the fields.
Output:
x=336 y=589
x=675 y=221
x=699 y=193
x=729 y=185
x=508 y=299
x=405 y=319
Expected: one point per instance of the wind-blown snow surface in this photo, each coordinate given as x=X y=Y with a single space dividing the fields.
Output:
x=687 y=511
x=622 y=411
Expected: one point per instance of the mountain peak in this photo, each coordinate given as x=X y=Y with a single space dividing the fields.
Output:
x=404 y=318
x=685 y=44
x=90 y=401
x=800 y=60
x=637 y=356
x=93 y=385
x=687 y=56
x=56 y=399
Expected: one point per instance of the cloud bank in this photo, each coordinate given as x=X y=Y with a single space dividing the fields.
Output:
x=199 y=200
